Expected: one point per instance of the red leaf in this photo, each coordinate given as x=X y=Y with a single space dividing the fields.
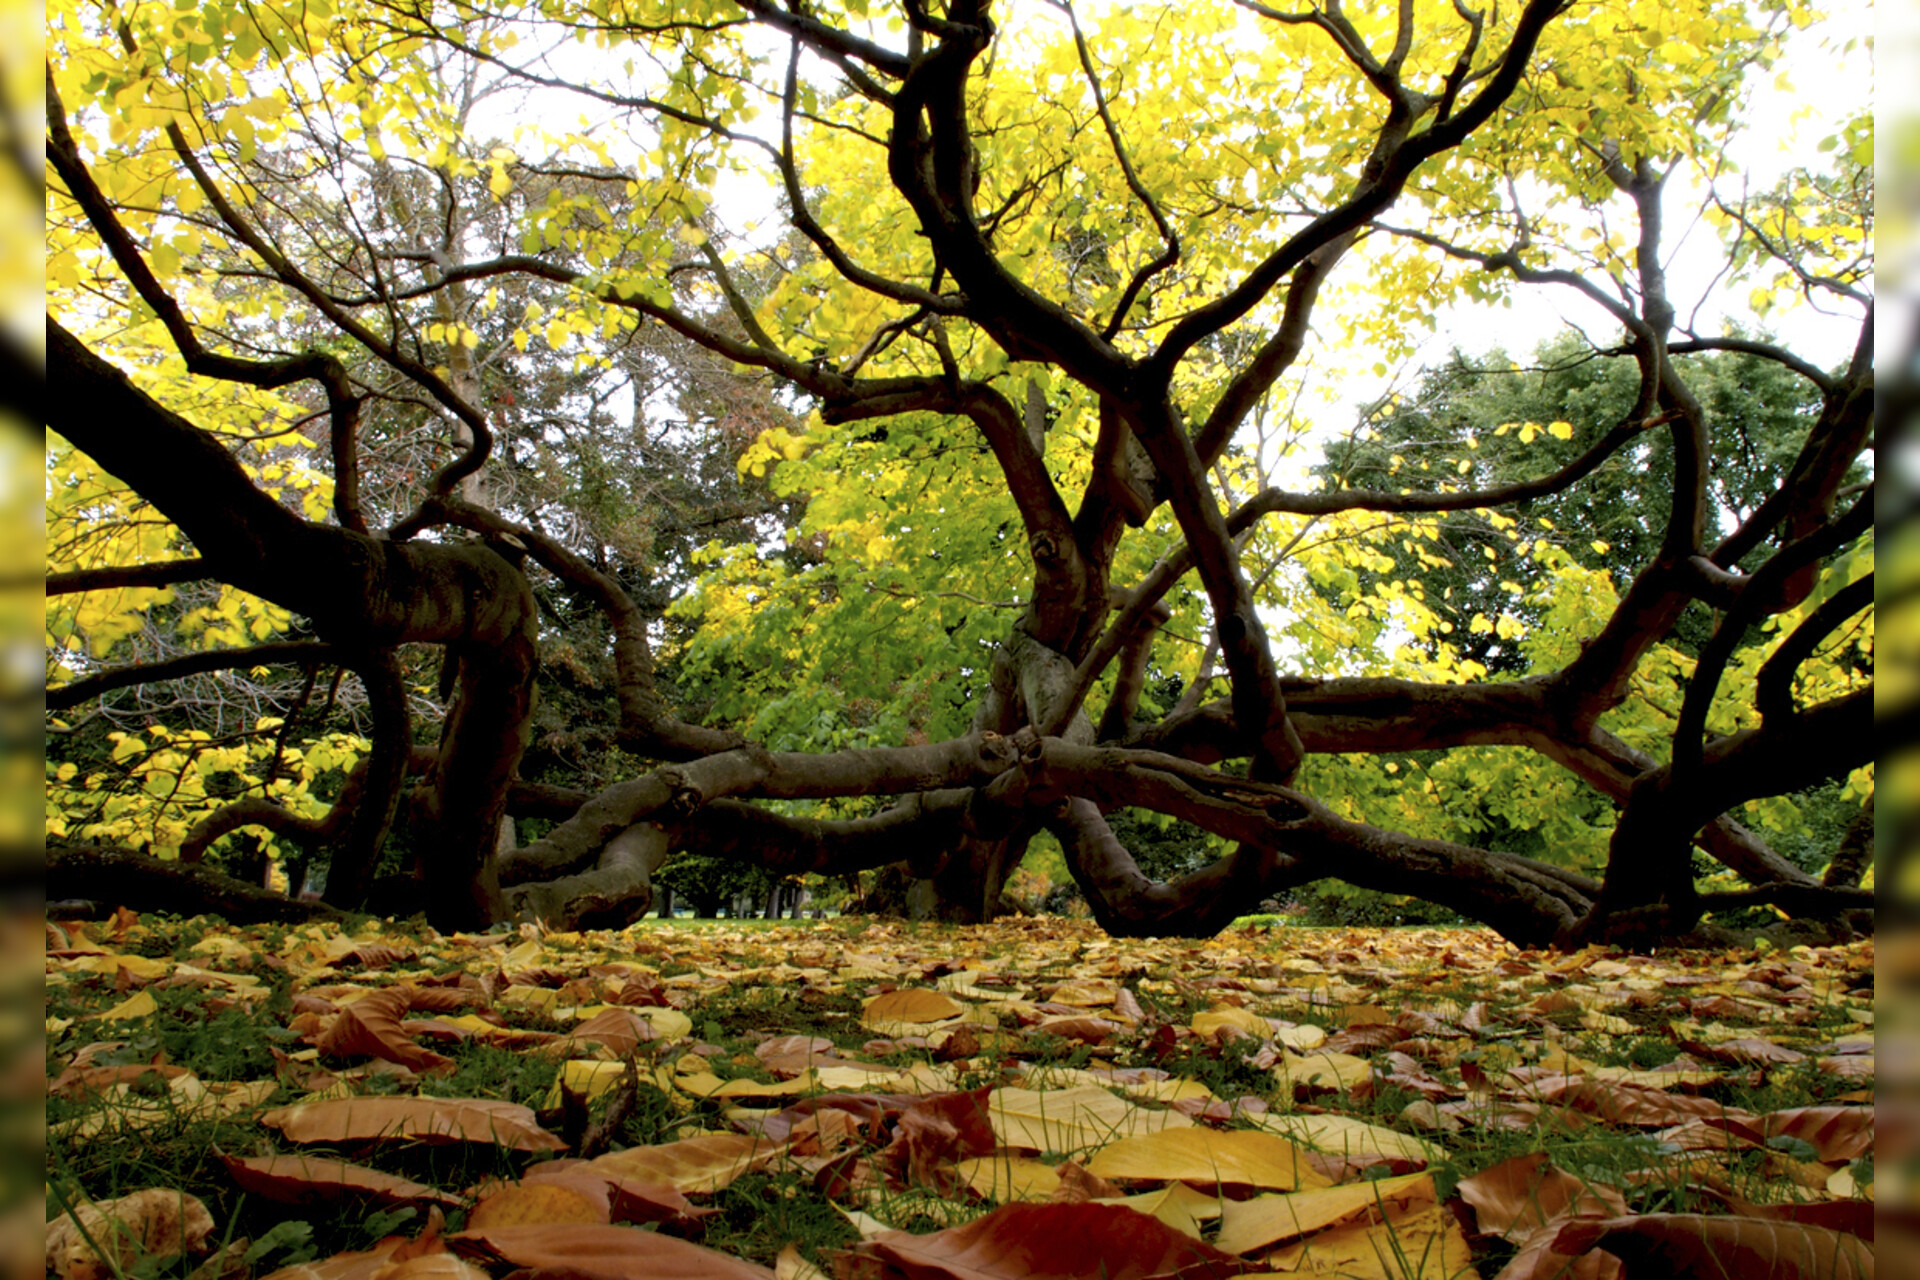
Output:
x=1686 y=1244
x=1044 y=1241
x=935 y=1132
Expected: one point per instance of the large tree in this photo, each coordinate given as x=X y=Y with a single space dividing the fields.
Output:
x=1025 y=308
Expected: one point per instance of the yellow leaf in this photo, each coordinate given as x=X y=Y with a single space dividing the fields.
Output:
x=1069 y=1120
x=1208 y=1157
x=1223 y=1017
x=1425 y=1244
x=1178 y=1205
x=1345 y=1136
x=1322 y=1071
x=910 y=1005
x=140 y=1005
x=1005 y=1177
x=1246 y=1225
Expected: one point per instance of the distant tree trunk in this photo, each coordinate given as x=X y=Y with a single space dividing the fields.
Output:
x=664 y=896
x=1855 y=854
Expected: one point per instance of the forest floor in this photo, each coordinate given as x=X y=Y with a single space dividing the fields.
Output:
x=872 y=1100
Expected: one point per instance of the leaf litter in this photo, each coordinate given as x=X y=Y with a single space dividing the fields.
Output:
x=873 y=1100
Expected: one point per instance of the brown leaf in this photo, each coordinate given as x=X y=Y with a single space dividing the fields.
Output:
x=159 y=1221
x=1517 y=1196
x=1686 y=1244
x=1618 y=1103
x=626 y=1199
x=1540 y=1259
x=1747 y=1051
x=315 y=1180
x=1077 y=1185
x=78 y=1081
x=1043 y=1241
x=935 y=1132
x=619 y=1031
x=695 y=1164
x=429 y=1120
x=584 y=1251
x=1854 y=1217
x=1085 y=1029
x=1835 y=1133
x=357 y=1265
x=1362 y=1039
x=547 y=1201
x=370 y=1028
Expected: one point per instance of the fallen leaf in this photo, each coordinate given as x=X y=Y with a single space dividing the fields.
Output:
x=1004 y=1178
x=159 y=1222
x=371 y=1028
x=696 y=1164
x=1835 y=1133
x=1424 y=1244
x=1246 y=1225
x=481 y=1120
x=1045 y=1241
x=1208 y=1157
x=911 y=1006
x=586 y=1251
x=1618 y=1103
x=534 y=1203
x=1070 y=1120
x=1683 y=1244
x=316 y=1180
x=937 y=1131
x=1345 y=1136
x=1516 y=1197
x=1540 y=1259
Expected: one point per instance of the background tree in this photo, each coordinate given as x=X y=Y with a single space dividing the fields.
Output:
x=1041 y=284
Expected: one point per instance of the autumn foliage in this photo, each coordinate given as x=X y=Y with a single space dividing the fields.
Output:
x=819 y=438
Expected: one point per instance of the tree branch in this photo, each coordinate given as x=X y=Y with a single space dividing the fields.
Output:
x=303 y=653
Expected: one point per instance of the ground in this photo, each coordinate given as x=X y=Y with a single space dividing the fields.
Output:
x=860 y=1098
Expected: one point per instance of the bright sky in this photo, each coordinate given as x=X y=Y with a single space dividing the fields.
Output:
x=1792 y=106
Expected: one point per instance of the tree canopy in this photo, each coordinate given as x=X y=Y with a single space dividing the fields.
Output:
x=823 y=436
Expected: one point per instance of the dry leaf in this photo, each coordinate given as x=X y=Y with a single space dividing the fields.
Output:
x=1207 y=1158
x=1045 y=1241
x=307 y=1180
x=585 y=1251
x=911 y=1006
x=696 y=1164
x=1682 y=1244
x=1424 y=1244
x=1346 y=1137
x=1835 y=1133
x=1540 y=1259
x=1070 y=1120
x=158 y=1222
x=1516 y=1197
x=482 y=1120
x=1246 y=1225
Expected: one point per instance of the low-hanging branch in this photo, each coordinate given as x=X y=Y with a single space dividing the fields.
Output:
x=296 y=653
x=165 y=573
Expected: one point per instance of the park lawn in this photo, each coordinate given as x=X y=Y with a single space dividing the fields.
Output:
x=792 y=1095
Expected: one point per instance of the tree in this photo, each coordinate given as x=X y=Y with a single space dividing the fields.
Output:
x=1040 y=288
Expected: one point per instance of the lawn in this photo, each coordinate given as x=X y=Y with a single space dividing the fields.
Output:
x=875 y=1099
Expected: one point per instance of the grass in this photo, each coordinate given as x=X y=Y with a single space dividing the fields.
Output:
x=1310 y=978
